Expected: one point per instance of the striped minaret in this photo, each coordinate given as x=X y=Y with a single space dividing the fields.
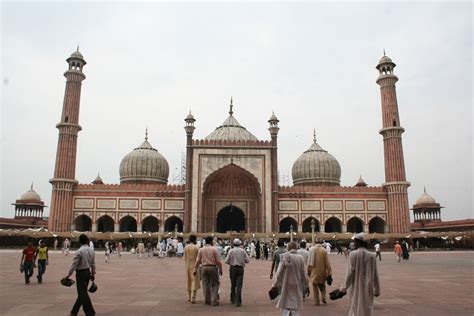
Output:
x=63 y=183
x=395 y=179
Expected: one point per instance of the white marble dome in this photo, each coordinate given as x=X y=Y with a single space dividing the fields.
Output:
x=30 y=195
x=316 y=167
x=425 y=198
x=144 y=164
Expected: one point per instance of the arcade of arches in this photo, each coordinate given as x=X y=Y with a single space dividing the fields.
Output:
x=333 y=225
x=231 y=201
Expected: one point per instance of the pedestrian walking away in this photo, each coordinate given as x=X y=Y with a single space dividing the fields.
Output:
x=377 y=251
x=291 y=278
x=361 y=279
x=211 y=268
x=192 y=280
x=398 y=251
x=83 y=264
x=43 y=260
x=276 y=256
x=319 y=268
x=27 y=262
x=236 y=259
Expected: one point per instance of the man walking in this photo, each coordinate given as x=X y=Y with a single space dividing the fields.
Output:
x=276 y=256
x=236 y=258
x=43 y=259
x=319 y=269
x=84 y=265
x=211 y=268
x=377 y=251
x=398 y=251
x=28 y=259
x=291 y=278
x=361 y=278
x=192 y=280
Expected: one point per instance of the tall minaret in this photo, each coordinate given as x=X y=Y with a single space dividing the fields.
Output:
x=274 y=129
x=188 y=209
x=61 y=218
x=395 y=180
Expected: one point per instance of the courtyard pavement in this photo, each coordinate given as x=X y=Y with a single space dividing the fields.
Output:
x=428 y=284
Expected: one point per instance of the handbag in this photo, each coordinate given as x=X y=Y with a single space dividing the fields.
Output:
x=22 y=268
x=274 y=292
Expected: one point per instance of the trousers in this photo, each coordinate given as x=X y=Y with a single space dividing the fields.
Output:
x=210 y=283
x=83 y=299
x=236 y=281
x=316 y=288
x=41 y=269
x=28 y=269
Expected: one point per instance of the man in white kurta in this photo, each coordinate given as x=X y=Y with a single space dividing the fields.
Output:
x=361 y=279
x=291 y=278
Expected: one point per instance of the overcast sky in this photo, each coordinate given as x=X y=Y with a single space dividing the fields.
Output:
x=312 y=63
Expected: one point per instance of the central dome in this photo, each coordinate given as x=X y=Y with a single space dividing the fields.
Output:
x=316 y=167
x=30 y=195
x=231 y=130
x=144 y=165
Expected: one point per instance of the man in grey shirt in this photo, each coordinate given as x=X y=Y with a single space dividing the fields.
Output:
x=84 y=265
x=236 y=258
x=276 y=256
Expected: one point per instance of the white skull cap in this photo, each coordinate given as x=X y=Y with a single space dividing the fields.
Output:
x=360 y=236
x=237 y=241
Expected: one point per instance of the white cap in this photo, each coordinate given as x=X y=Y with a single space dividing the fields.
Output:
x=360 y=236
x=237 y=241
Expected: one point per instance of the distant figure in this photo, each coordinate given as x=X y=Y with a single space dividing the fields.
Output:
x=265 y=251
x=398 y=251
x=236 y=259
x=180 y=249
x=252 y=250
x=55 y=243
x=108 y=252
x=148 y=249
x=377 y=251
x=291 y=278
x=27 y=262
x=84 y=265
x=66 y=246
x=328 y=247
x=91 y=245
x=257 y=250
x=141 y=249
x=119 y=249
x=361 y=278
x=303 y=252
x=192 y=280
x=43 y=258
x=339 y=247
x=405 y=250
x=211 y=268
x=276 y=256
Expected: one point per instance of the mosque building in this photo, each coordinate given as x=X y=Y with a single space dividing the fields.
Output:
x=231 y=180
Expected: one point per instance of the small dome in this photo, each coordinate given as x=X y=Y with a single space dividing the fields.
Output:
x=190 y=117
x=30 y=195
x=316 y=167
x=76 y=54
x=144 y=164
x=385 y=59
x=425 y=198
x=273 y=118
x=231 y=130
x=361 y=182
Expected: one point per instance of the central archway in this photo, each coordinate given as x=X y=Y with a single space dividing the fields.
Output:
x=230 y=218
x=231 y=185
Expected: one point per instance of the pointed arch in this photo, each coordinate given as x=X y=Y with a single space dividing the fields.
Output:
x=105 y=224
x=83 y=223
x=286 y=223
x=333 y=225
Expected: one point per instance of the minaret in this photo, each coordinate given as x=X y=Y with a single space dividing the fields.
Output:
x=189 y=128
x=63 y=183
x=395 y=180
x=274 y=129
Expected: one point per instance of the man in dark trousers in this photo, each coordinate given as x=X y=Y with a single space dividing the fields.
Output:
x=84 y=265
x=28 y=261
x=236 y=258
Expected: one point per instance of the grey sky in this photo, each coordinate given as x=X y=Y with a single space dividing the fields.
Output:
x=312 y=63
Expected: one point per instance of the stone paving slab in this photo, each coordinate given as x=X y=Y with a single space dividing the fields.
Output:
x=428 y=284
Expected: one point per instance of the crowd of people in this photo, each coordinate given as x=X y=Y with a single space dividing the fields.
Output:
x=296 y=270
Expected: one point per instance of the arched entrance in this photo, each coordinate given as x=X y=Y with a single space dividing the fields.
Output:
x=150 y=224
x=105 y=224
x=286 y=223
x=236 y=186
x=333 y=225
x=83 y=223
x=377 y=225
x=128 y=224
x=355 y=225
x=307 y=225
x=230 y=218
x=171 y=222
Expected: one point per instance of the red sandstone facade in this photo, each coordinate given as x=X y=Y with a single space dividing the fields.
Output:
x=230 y=185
